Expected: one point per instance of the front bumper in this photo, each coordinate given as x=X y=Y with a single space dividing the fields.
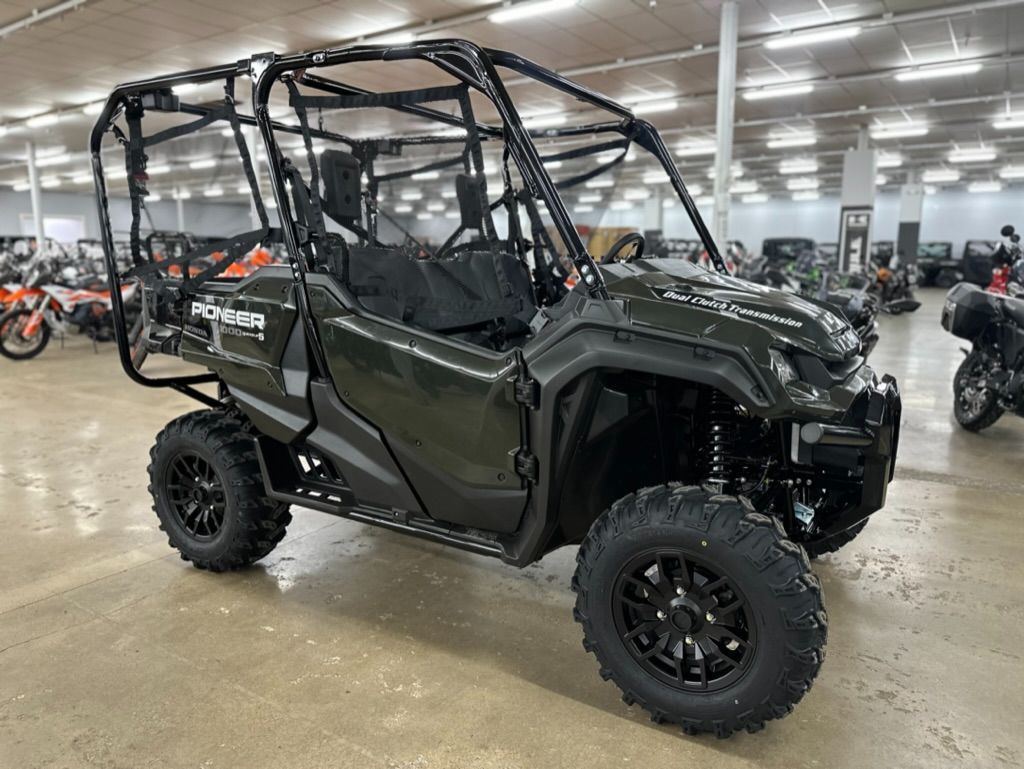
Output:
x=864 y=445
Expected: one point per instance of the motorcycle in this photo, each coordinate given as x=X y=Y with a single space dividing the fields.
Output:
x=893 y=284
x=1007 y=265
x=43 y=306
x=990 y=381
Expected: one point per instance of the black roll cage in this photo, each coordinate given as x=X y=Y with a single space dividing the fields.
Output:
x=473 y=66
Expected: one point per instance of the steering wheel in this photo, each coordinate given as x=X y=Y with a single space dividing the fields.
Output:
x=620 y=244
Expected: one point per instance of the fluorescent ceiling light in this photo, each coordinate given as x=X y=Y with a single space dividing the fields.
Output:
x=153 y=198
x=436 y=207
x=737 y=171
x=424 y=216
x=589 y=198
x=544 y=121
x=41 y=121
x=584 y=209
x=975 y=155
x=796 y=39
x=184 y=88
x=243 y=189
x=930 y=189
x=934 y=72
x=782 y=141
x=20 y=186
x=621 y=205
x=881 y=180
x=453 y=214
x=93 y=109
x=1012 y=172
x=705 y=200
x=181 y=195
x=1008 y=122
x=940 y=175
x=696 y=149
x=49 y=183
x=668 y=203
x=200 y=164
x=651 y=107
x=898 y=130
x=803 y=184
x=552 y=165
x=403 y=209
x=889 y=160
x=806 y=195
x=525 y=10
x=599 y=184
x=693 y=189
x=411 y=195
x=391 y=38
x=270 y=203
x=772 y=92
x=159 y=168
x=426 y=175
x=53 y=160
x=213 y=192
x=636 y=194
x=446 y=194
x=741 y=188
x=227 y=133
x=755 y=197
x=3 y=130
x=798 y=166
x=984 y=187
x=81 y=179
x=655 y=177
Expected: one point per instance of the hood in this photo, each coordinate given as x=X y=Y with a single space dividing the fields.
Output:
x=678 y=295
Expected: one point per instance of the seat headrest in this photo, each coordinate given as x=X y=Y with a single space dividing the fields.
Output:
x=341 y=174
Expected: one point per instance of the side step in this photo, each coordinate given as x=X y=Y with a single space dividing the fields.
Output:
x=300 y=475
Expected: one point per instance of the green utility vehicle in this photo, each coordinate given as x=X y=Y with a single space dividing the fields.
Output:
x=425 y=362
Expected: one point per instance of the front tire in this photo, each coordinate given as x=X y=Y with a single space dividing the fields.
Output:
x=974 y=408
x=818 y=547
x=699 y=609
x=13 y=344
x=209 y=495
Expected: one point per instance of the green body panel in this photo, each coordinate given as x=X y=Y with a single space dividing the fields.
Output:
x=450 y=404
x=234 y=345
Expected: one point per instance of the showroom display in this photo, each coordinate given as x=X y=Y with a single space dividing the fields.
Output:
x=698 y=435
x=990 y=380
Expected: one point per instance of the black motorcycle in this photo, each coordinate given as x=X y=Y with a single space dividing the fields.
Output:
x=991 y=378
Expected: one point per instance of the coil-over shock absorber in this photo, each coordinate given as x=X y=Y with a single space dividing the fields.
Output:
x=721 y=431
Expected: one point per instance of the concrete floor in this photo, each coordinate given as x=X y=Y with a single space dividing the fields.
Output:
x=351 y=646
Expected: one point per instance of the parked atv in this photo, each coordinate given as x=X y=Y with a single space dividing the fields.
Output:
x=696 y=435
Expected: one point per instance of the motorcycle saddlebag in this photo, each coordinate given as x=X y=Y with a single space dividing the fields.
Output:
x=968 y=309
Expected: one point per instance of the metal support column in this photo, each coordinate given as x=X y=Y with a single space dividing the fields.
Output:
x=727 y=38
x=180 y=205
x=33 y=186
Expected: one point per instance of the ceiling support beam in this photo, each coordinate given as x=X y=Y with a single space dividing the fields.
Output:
x=38 y=16
x=728 y=33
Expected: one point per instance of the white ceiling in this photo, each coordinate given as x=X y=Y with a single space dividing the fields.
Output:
x=65 y=62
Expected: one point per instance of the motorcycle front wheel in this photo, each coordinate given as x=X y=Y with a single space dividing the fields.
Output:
x=974 y=407
x=14 y=343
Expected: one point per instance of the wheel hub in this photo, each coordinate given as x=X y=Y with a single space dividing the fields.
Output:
x=686 y=615
x=196 y=495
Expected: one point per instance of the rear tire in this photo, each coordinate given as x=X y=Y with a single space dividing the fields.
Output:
x=11 y=346
x=729 y=615
x=820 y=547
x=976 y=411
x=208 y=492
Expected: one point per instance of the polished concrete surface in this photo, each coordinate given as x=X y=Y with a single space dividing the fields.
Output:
x=355 y=647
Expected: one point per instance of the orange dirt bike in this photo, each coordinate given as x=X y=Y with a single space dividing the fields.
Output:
x=41 y=307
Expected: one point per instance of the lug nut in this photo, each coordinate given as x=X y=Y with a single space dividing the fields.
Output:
x=709 y=617
x=680 y=591
x=689 y=640
x=661 y=615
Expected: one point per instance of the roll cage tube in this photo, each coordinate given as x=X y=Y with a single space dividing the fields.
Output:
x=467 y=62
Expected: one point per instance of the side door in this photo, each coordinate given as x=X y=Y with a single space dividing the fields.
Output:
x=447 y=410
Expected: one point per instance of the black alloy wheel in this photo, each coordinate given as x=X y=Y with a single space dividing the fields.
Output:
x=682 y=621
x=196 y=495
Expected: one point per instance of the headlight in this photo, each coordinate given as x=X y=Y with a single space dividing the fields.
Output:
x=783 y=366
